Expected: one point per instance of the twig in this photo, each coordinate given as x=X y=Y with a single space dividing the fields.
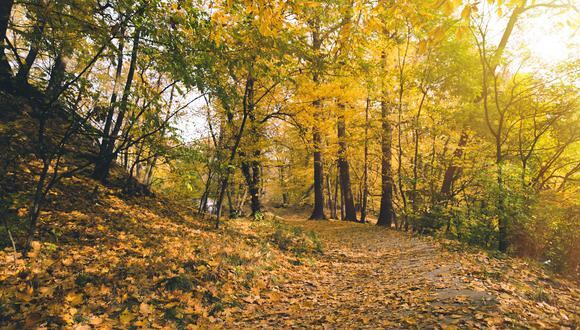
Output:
x=12 y=241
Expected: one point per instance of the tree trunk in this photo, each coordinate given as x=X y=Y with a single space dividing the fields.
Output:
x=503 y=238
x=106 y=136
x=386 y=212
x=365 y=193
x=416 y=137
x=233 y=211
x=343 y=168
x=251 y=167
x=329 y=196
x=103 y=164
x=38 y=31
x=502 y=218
x=56 y=77
x=256 y=203
x=251 y=172
x=318 y=210
x=234 y=149
x=453 y=170
x=335 y=203
x=282 y=178
x=5 y=69
x=204 y=197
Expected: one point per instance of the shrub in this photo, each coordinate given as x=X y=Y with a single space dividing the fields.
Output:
x=294 y=239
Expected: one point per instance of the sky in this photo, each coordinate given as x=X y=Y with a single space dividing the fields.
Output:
x=550 y=38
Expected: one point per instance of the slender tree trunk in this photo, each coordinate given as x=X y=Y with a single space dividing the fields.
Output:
x=241 y=199
x=365 y=193
x=502 y=216
x=386 y=213
x=106 y=136
x=343 y=168
x=5 y=69
x=204 y=197
x=318 y=210
x=400 y=158
x=416 y=136
x=148 y=179
x=335 y=203
x=234 y=149
x=37 y=34
x=103 y=164
x=329 y=196
x=251 y=167
x=255 y=201
x=56 y=76
x=233 y=211
x=453 y=170
x=282 y=177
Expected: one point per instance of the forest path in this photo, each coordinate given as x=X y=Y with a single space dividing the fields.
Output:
x=369 y=277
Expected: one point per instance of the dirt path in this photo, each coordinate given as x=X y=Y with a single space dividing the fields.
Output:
x=370 y=277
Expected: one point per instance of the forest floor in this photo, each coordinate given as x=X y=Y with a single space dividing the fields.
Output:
x=113 y=262
x=371 y=277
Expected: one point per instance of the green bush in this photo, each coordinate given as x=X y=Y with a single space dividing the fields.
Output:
x=294 y=239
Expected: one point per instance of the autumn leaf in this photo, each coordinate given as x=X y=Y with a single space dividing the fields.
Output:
x=126 y=317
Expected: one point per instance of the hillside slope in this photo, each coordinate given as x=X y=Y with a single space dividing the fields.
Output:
x=106 y=259
x=114 y=261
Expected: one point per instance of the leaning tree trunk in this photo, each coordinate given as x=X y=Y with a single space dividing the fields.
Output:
x=103 y=164
x=234 y=148
x=106 y=136
x=343 y=168
x=37 y=33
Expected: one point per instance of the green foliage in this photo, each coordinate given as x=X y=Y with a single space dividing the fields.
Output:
x=294 y=239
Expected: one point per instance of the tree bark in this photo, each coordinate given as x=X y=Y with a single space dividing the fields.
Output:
x=251 y=172
x=251 y=167
x=453 y=170
x=103 y=164
x=343 y=168
x=365 y=193
x=386 y=212
x=5 y=69
x=234 y=149
x=106 y=136
x=56 y=76
x=318 y=209
x=38 y=31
